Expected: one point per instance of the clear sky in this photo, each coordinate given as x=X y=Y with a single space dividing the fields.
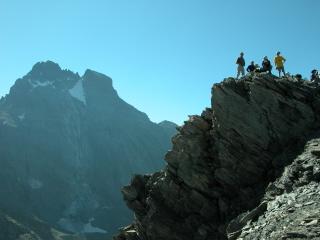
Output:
x=163 y=55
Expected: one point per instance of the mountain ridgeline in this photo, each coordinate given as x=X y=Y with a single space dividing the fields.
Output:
x=67 y=145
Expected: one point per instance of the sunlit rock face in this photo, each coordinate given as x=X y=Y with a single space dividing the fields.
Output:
x=246 y=168
x=67 y=145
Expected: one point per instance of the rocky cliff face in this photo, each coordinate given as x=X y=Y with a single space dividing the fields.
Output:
x=220 y=179
x=67 y=145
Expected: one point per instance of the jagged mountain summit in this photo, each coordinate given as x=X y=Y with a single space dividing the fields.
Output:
x=67 y=145
x=247 y=168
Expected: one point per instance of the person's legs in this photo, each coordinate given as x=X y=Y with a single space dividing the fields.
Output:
x=279 y=70
x=284 y=72
x=242 y=71
x=238 y=71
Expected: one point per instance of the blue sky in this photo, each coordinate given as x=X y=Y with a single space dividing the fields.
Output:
x=163 y=55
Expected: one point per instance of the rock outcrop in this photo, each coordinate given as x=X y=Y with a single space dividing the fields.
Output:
x=220 y=179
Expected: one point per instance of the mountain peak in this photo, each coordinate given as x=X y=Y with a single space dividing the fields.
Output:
x=47 y=67
x=166 y=123
x=79 y=134
x=50 y=71
x=44 y=74
x=98 y=84
x=169 y=127
x=93 y=75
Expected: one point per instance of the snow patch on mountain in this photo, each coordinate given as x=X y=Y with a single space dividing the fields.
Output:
x=79 y=227
x=6 y=120
x=88 y=228
x=37 y=83
x=21 y=116
x=35 y=183
x=78 y=92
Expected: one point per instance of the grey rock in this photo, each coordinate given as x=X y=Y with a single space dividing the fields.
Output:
x=223 y=168
x=293 y=213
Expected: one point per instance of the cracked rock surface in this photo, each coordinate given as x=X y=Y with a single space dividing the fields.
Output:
x=293 y=201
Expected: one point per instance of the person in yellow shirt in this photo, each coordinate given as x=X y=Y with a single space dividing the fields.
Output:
x=279 y=62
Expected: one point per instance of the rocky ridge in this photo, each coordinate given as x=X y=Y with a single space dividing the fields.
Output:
x=226 y=174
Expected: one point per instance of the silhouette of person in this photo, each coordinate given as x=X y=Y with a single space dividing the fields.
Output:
x=241 y=63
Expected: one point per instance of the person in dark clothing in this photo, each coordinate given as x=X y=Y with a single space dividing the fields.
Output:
x=251 y=68
x=266 y=65
x=298 y=77
x=315 y=76
x=241 y=63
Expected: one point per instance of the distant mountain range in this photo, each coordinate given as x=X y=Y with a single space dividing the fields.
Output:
x=67 y=145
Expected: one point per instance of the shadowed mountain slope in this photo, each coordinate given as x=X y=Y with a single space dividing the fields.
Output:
x=67 y=144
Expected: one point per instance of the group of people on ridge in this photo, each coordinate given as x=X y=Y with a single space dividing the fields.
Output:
x=266 y=65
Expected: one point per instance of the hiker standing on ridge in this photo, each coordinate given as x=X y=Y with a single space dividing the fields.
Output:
x=241 y=63
x=279 y=61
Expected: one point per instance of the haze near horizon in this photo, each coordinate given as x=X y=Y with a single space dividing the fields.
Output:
x=163 y=56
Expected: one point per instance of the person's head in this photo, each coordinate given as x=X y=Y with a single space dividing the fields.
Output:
x=278 y=53
x=241 y=54
x=265 y=58
x=252 y=62
x=314 y=71
x=298 y=76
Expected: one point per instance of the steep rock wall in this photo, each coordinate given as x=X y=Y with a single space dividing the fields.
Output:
x=222 y=161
